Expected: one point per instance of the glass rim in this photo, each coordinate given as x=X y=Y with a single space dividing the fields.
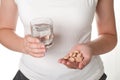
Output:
x=41 y=20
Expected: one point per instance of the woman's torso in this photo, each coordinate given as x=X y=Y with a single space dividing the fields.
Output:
x=72 y=22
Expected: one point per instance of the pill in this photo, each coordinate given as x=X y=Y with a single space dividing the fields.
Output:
x=71 y=59
x=78 y=59
x=76 y=52
x=79 y=55
x=71 y=54
x=75 y=56
x=66 y=57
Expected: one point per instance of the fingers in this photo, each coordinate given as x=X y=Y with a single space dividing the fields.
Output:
x=35 y=50
x=73 y=65
x=69 y=64
x=74 y=61
x=79 y=56
x=31 y=39
x=33 y=47
x=83 y=63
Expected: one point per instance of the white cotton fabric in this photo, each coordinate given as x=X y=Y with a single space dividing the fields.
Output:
x=72 y=21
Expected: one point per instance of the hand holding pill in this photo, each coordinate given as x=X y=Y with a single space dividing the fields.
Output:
x=78 y=57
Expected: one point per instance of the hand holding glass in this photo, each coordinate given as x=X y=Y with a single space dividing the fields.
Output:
x=42 y=28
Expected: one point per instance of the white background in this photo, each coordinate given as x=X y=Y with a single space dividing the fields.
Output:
x=9 y=60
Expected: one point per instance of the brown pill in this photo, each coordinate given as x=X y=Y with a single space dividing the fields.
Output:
x=75 y=56
x=78 y=59
x=71 y=54
x=76 y=52
x=66 y=57
x=71 y=59
x=79 y=55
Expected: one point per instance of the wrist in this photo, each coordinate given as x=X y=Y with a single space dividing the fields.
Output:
x=22 y=45
x=87 y=46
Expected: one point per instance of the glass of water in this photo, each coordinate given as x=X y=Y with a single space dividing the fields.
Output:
x=42 y=28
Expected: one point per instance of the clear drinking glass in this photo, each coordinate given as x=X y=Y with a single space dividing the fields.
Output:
x=42 y=28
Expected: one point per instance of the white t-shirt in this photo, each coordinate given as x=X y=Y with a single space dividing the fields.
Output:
x=72 y=21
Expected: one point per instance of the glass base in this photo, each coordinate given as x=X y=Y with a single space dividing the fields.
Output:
x=49 y=45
